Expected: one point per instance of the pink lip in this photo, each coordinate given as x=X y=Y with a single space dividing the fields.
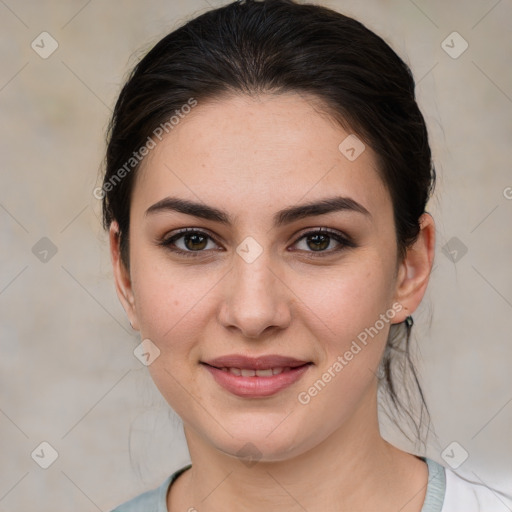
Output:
x=256 y=387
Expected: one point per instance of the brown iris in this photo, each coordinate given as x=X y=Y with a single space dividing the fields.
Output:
x=321 y=241
x=198 y=241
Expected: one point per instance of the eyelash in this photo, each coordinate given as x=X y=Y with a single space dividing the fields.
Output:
x=343 y=240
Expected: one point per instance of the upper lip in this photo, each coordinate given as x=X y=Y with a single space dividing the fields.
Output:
x=255 y=363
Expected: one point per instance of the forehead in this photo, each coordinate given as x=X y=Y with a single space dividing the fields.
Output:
x=260 y=151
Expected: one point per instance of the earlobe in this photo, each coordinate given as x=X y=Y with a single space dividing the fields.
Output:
x=414 y=270
x=122 y=276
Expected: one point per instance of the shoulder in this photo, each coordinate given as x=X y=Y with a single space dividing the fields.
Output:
x=465 y=495
x=154 y=500
x=148 y=501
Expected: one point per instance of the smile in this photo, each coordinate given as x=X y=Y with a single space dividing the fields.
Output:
x=247 y=372
x=260 y=383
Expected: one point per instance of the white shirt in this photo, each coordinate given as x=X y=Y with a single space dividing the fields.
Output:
x=462 y=495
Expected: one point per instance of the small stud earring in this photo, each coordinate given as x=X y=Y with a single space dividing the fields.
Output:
x=409 y=321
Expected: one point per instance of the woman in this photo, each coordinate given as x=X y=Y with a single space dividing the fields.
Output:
x=266 y=180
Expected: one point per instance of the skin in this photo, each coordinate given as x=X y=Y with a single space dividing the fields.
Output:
x=252 y=157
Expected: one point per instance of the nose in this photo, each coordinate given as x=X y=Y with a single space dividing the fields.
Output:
x=256 y=300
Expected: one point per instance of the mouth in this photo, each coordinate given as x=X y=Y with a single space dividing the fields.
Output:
x=247 y=372
x=265 y=362
x=256 y=377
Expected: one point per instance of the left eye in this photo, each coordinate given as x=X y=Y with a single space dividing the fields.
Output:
x=319 y=241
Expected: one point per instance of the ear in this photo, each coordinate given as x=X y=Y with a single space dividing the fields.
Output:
x=122 y=276
x=414 y=270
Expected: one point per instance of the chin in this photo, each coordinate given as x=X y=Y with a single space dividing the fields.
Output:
x=270 y=444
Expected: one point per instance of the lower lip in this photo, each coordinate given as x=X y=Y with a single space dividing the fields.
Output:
x=256 y=387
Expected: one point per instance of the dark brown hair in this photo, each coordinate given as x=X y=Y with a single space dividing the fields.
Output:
x=271 y=47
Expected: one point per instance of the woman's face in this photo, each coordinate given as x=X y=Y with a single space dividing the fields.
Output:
x=255 y=278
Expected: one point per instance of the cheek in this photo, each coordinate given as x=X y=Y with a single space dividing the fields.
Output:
x=346 y=301
x=170 y=301
x=349 y=314
x=350 y=317
x=172 y=311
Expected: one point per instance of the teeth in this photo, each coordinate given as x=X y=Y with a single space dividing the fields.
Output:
x=264 y=373
x=256 y=373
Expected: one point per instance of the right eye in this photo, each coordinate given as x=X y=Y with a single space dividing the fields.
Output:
x=188 y=242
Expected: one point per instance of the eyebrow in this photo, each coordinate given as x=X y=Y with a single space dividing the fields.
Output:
x=282 y=217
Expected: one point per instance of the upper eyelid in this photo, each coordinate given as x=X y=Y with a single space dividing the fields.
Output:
x=185 y=231
x=302 y=234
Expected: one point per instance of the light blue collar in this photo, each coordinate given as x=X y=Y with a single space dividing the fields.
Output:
x=436 y=486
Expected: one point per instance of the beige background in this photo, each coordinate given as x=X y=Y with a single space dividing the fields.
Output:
x=68 y=374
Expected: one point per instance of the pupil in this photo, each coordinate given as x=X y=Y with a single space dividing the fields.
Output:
x=195 y=238
x=319 y=244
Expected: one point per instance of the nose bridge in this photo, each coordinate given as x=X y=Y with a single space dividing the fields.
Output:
x=254 y=279
x=255 y=297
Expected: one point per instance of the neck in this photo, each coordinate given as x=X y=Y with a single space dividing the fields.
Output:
x=353 y=468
